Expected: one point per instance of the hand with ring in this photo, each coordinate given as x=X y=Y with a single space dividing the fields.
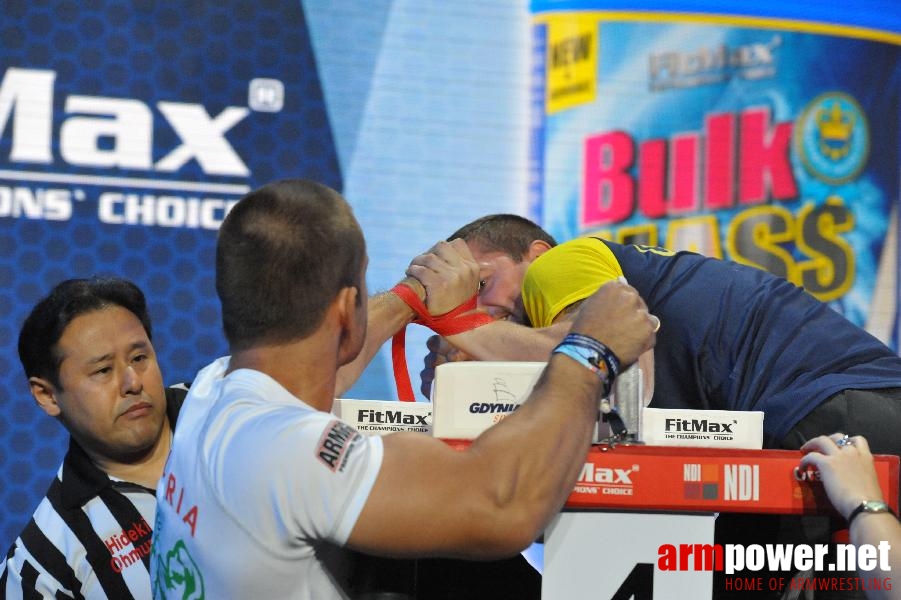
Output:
x=849 y=476
x=843 y=441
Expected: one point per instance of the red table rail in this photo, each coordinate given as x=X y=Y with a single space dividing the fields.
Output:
x=674 y=479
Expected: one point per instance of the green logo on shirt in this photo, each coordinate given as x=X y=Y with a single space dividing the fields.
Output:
x=177 y=577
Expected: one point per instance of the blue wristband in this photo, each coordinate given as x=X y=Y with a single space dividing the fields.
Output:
x=593 y=355
x=589 y=343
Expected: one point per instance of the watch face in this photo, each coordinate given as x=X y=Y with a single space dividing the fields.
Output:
x=870 y=506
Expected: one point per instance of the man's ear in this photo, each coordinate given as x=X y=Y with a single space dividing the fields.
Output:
x=346 y=305
x=352 y=329
x=536 y=249
x=348 y=311
x=44 y=394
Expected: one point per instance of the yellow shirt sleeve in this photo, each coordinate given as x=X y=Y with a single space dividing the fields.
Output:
x=566 y=274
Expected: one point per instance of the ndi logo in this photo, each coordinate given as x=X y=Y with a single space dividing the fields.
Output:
x=741 y=482
x=701 y=481
x=832 y=138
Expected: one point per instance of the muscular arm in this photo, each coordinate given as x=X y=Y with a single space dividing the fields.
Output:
x=495 y=498
x=449 y=273
x=386 y=315
x=505 y=340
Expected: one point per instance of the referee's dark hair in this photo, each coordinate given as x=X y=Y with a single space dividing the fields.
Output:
x=507 y=233
x=73 y=297
x=283 y=254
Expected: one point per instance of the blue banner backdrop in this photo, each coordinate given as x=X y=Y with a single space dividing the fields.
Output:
x=126 y=133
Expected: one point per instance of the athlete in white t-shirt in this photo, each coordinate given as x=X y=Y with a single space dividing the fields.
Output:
x=272 y=484
x=264 y=488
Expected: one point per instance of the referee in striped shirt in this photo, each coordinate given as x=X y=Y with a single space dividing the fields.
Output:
x=87 y=352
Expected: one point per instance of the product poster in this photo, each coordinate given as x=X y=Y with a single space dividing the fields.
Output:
x=743 y=140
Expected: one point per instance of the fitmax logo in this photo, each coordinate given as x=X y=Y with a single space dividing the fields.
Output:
x=391 y=417
x=698 y=426
x=592 y=474
x=105 y=132
x=718 y=58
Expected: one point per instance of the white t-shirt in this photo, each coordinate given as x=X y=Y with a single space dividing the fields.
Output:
x=259 y=493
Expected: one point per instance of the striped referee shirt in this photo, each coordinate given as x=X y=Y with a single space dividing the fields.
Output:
x=90 y=535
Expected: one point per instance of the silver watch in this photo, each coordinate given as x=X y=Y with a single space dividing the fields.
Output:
x=870 y=506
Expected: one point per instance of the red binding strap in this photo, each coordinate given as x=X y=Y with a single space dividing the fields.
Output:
x=450 y=323
x=399 y=364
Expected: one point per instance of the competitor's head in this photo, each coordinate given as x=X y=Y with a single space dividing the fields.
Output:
x=285 y=253
x=562 y=277
x=503 y=245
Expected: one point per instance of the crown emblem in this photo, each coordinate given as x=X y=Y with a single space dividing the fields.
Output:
x=835 y=127
x=832 y=138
